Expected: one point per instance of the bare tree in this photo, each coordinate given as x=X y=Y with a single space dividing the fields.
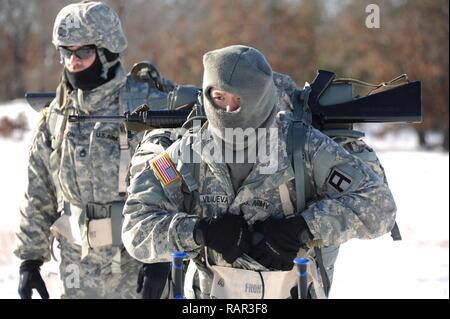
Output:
x=412 y=39
x=16 y=20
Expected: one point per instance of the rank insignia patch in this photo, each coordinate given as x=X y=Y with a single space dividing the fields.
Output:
x=163 y=167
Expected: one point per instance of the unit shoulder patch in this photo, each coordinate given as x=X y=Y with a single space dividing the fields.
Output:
x=339 y=180
x=164 y=169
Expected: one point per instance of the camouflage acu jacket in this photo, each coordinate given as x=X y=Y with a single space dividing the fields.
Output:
x=81 y=166
x=158 y=221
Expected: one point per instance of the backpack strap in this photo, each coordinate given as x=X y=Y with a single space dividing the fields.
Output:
x=295 y=147
x=57 y=117
x=190 y=172
x=132 y=95
x=124 y=161
x=190 y=187
x=296 y=144
x=124 y=147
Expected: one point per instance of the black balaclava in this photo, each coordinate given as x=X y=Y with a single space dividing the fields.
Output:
x=91 y=78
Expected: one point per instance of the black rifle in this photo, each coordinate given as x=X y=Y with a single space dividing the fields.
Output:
x=330 y=103
x=151 y=119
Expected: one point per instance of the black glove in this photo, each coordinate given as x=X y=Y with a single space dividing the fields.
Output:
x=281 y=240
x=152 y=279
x=30 y=278
x=227 y=234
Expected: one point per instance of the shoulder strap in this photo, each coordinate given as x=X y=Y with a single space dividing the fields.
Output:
x=124 y=161
x=190 y=172
x=131 y=94
x=57 y=117
x=296 y=144
x=190 y=186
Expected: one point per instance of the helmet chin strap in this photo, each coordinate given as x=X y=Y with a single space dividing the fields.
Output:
x=106 y=65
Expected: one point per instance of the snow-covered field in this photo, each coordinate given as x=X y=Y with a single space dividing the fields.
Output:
x=416 y=267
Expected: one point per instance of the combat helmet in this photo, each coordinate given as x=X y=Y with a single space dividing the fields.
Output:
x=90 y=23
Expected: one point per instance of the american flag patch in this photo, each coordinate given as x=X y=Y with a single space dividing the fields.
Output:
x=162 y=165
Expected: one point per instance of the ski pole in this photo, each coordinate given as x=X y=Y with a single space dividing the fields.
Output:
x=178 y=274
x=302 y=278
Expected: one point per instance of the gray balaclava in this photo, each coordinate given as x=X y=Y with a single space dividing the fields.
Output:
x=243 y=71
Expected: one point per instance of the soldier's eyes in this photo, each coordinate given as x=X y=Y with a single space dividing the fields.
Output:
x=81 y=53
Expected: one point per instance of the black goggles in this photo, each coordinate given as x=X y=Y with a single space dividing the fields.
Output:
x=81 y=53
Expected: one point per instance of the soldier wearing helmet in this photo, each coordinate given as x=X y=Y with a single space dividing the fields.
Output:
x=77 y=171
x=94 y=26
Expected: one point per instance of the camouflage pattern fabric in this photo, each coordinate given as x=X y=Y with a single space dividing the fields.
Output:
x=89 y=22
x=91 y=278
x=87 y=167
x=158 y=223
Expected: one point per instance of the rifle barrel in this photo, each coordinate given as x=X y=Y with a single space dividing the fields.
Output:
x=97 y=118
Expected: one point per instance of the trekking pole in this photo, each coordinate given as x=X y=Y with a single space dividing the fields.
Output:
x=302 y=277
x=178 y=274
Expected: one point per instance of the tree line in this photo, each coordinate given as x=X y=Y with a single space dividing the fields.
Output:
x=297 y=36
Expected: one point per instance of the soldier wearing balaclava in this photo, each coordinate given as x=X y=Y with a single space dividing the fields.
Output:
x=244 y=72
x=237 y=223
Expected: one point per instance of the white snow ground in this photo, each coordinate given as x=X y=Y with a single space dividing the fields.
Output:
x=416 y=267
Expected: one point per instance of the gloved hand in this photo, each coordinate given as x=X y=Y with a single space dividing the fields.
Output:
x=152 y=279
x=227 y=234
x=30 y=278
x=280 y=241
